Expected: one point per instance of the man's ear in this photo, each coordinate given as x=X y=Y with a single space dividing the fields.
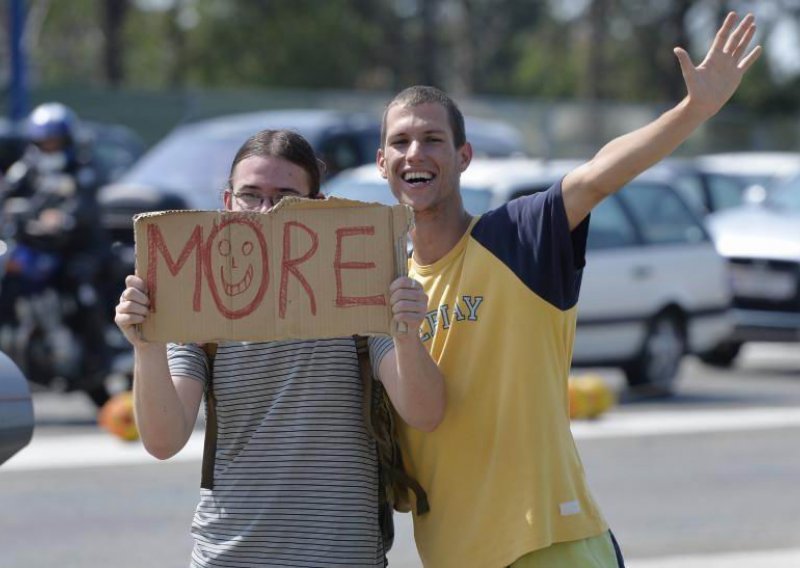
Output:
x=380 y=160
x=227 y=199
x=465 y=156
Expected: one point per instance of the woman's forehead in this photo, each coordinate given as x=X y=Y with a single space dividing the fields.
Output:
x=270 y=172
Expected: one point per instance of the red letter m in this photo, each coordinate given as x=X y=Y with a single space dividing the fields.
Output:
x=156 y=244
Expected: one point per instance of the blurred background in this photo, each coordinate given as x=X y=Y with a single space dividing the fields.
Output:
x=569 y=73
x=685 y=389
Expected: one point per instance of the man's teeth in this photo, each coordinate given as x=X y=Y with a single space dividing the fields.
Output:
x=417 y=177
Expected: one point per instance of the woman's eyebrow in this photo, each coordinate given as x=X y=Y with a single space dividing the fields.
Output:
x=257 y=189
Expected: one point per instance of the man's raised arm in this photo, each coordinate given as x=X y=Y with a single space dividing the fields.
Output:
x=709 y=86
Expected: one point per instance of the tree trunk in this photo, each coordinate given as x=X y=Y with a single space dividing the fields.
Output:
x=114 y=13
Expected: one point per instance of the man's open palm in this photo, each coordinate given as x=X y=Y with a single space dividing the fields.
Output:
x=714 y=81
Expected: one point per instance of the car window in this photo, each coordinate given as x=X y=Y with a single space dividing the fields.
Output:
x=691 y=189
x=340 y=153
x=726 y=192
x=188 y=163
x=787 y=194
x=663 y=217
x=610 y=227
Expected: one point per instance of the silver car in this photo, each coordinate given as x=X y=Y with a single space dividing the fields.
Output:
x=16 y=409
x=762 y=245
x=654 y=287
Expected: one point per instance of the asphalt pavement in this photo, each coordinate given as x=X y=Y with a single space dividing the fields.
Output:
x=705 y=478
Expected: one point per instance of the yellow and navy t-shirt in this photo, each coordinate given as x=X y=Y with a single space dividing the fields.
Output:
x=502 y=472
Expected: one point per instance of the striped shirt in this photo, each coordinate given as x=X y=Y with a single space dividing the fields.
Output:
x=296 y=473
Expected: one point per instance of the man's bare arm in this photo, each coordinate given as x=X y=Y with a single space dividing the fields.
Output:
x=412 y=379
x=709 y=86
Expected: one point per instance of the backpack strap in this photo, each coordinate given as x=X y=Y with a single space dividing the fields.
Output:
x=379 y=420
x=210 y=440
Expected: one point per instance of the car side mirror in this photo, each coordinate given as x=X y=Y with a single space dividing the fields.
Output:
x=754 y=195
x=16 y=409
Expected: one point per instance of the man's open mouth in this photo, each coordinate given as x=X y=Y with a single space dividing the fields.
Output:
x=417 y=178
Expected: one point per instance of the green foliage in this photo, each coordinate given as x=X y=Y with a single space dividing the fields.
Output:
x=612 y=49
x=62 y=40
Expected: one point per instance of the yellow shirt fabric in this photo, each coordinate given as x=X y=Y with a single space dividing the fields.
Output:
x=502 y=471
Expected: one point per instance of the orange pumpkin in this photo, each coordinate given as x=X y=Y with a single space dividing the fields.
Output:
x=116 y=417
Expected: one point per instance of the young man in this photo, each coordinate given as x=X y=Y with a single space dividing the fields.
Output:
x=296 y=473
x=504 y=480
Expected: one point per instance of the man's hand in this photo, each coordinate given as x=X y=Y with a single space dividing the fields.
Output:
x=409 y=305
x=710 y=85
x=413 y=381
x=714 y=81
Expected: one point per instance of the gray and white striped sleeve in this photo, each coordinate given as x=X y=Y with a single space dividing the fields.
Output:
x=188 y=360
x=379 y=346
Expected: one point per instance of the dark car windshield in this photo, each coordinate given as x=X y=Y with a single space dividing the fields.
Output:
x=189 y=162
x=786 y=195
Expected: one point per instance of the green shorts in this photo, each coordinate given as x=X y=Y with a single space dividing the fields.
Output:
x=595 y=552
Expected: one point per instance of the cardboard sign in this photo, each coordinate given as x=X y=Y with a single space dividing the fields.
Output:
x=306 y=269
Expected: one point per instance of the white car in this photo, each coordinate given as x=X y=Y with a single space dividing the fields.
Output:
x=755 y=171
x=762 y=244
x=654 y=287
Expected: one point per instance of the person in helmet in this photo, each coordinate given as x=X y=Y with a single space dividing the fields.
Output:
x=56 y=172
x=50 y=204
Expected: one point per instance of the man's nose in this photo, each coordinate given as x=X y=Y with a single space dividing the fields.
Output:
x=414 y=149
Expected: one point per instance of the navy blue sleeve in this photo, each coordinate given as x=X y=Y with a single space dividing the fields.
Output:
x=531 y=236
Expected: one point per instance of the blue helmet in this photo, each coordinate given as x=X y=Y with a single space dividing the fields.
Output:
x=52 y=120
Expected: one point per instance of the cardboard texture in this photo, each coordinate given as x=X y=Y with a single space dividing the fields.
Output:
x=306 y=269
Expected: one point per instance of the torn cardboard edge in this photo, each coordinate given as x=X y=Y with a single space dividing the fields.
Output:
x=306 y=269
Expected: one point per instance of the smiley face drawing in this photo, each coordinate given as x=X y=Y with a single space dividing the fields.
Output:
x=236 y=265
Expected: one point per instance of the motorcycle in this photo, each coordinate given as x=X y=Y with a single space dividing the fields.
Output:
x=55 y=321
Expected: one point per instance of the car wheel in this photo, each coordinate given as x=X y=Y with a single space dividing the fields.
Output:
x=656 y=366
x=723 y=355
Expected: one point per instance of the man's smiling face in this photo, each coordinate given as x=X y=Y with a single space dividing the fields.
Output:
x=419 y=157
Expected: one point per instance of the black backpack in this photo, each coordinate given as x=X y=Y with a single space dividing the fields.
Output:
x=393 y=482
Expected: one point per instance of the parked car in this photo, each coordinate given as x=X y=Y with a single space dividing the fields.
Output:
x=705 y=190
x=16 y=409
x=654 y=287
x=753 y=172
x=189 y=168
x=762 y=246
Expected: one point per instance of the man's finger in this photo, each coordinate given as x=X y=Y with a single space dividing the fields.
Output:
x=687 y=67
x=751 y=58
x=744 y=41
x=723 y=32
x=736 y=36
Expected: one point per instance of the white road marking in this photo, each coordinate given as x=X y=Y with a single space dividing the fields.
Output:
x=766 y=558
x=100 y=449
x=666 y=422
x=91 y=450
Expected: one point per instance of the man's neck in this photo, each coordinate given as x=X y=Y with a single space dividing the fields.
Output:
x=437 y=232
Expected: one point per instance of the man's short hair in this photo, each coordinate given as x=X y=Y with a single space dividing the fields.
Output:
x=421 y=94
